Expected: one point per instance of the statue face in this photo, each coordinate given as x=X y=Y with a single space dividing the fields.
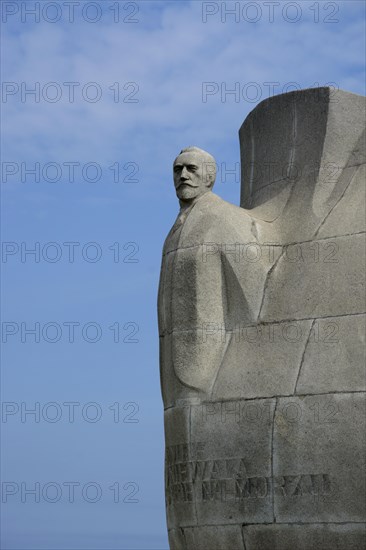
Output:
x=190 y=176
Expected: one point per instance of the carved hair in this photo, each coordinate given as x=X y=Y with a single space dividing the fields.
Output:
x=209 y=163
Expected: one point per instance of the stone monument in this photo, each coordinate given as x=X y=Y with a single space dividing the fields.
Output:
x=262 y=336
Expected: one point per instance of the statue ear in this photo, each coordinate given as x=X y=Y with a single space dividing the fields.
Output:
x=211 y=181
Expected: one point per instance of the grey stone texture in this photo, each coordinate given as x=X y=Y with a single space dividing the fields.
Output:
x=262 y=336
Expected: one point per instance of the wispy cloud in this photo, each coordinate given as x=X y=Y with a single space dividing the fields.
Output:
x=168 y=61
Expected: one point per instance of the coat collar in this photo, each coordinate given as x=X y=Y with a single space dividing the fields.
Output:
x=184 y=213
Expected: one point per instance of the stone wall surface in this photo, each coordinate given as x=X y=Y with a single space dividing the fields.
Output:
x=262 y=333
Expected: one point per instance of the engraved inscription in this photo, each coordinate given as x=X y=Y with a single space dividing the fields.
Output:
x=190 y=479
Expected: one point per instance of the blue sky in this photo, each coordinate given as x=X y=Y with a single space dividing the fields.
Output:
x=171 y=62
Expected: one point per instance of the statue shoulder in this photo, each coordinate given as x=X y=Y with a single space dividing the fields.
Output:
x=214 y=218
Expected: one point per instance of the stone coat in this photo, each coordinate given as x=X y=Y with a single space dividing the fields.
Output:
x=210 y=256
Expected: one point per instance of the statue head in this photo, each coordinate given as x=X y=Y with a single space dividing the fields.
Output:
x=194 y=173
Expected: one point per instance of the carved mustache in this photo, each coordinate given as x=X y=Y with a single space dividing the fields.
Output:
x=186 y=183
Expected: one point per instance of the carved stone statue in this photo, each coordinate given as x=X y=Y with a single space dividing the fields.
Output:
x=262 y=334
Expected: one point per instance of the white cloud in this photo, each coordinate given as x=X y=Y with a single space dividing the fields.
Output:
x=169 y=61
